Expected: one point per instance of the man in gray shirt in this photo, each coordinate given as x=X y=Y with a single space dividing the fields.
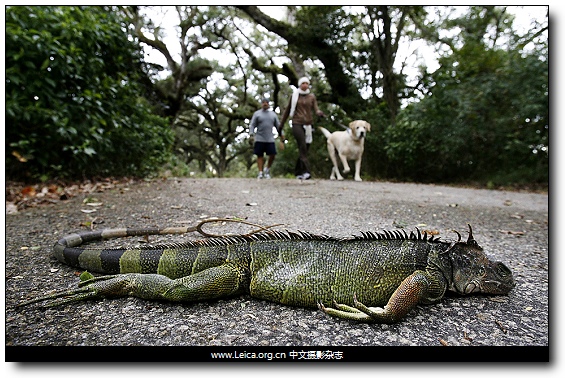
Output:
x=261 y=129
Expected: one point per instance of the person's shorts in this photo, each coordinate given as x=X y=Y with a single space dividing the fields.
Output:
x=261 y=148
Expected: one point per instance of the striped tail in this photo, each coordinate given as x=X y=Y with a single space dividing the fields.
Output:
x=103 y=260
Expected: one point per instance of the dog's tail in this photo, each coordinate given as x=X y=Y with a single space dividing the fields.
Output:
x=325 y=132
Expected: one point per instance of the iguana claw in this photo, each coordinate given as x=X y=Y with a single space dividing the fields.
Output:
x=61 y=297
x=87 y=289
x=360 y=312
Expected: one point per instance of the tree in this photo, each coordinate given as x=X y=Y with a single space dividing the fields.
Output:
x=208 y=101
x=350 y=45
x=334 y=36
x=485 y=116
x=210 y=124
x=197 y=30
x=74 y=106
x=316 y=40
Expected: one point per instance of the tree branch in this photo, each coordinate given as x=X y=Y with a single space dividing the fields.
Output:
x=344 y=93
x=154 y=43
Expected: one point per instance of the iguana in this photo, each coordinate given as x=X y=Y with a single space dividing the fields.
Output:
x=373 y=277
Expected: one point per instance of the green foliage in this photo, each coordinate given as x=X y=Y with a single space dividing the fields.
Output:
x=73 y=98
x=486 y=119
x=329 y=23
x=85 y=276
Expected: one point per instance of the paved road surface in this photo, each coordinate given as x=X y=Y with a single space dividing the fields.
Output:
x=512 y=227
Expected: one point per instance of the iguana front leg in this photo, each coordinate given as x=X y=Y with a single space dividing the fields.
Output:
x=216 y=282
x=420 y=286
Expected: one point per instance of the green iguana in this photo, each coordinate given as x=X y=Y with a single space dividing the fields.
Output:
x=374 y=277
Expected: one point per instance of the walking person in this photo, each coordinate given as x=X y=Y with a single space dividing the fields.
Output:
x=261 y=132
x=300 y=108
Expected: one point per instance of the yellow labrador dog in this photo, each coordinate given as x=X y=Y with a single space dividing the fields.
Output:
x=348 y=145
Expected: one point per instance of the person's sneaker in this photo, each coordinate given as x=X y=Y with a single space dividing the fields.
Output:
x=306 y=176
x=267 y=173
x=260 y=176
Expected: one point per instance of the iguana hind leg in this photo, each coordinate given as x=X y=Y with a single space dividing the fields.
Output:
x=418 y=287
x=216 y=282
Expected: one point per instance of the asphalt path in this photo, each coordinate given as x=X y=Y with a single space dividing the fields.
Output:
x=512 y=227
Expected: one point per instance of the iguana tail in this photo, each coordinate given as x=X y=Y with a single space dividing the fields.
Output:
x=68 y=249
x=145 y=259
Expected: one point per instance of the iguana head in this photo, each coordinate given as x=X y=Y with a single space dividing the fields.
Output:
x=474 y=273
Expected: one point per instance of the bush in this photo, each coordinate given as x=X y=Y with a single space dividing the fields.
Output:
x=74 y=107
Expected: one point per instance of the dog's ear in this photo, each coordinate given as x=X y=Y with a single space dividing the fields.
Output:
x=352 y=125
x=368 y=126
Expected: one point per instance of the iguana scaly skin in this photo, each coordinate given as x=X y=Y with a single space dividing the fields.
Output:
x=375 y=277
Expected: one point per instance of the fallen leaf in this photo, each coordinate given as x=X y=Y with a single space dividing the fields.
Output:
x=29 y=191
x=517 y=233
x=498 y=299
x=431 y=232
x=501 y=326
x=25 y=196
x=466 y=337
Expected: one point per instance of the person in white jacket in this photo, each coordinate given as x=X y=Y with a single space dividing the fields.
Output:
x=299 y=110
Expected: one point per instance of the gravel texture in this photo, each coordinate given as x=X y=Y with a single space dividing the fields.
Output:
x=512 y=227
